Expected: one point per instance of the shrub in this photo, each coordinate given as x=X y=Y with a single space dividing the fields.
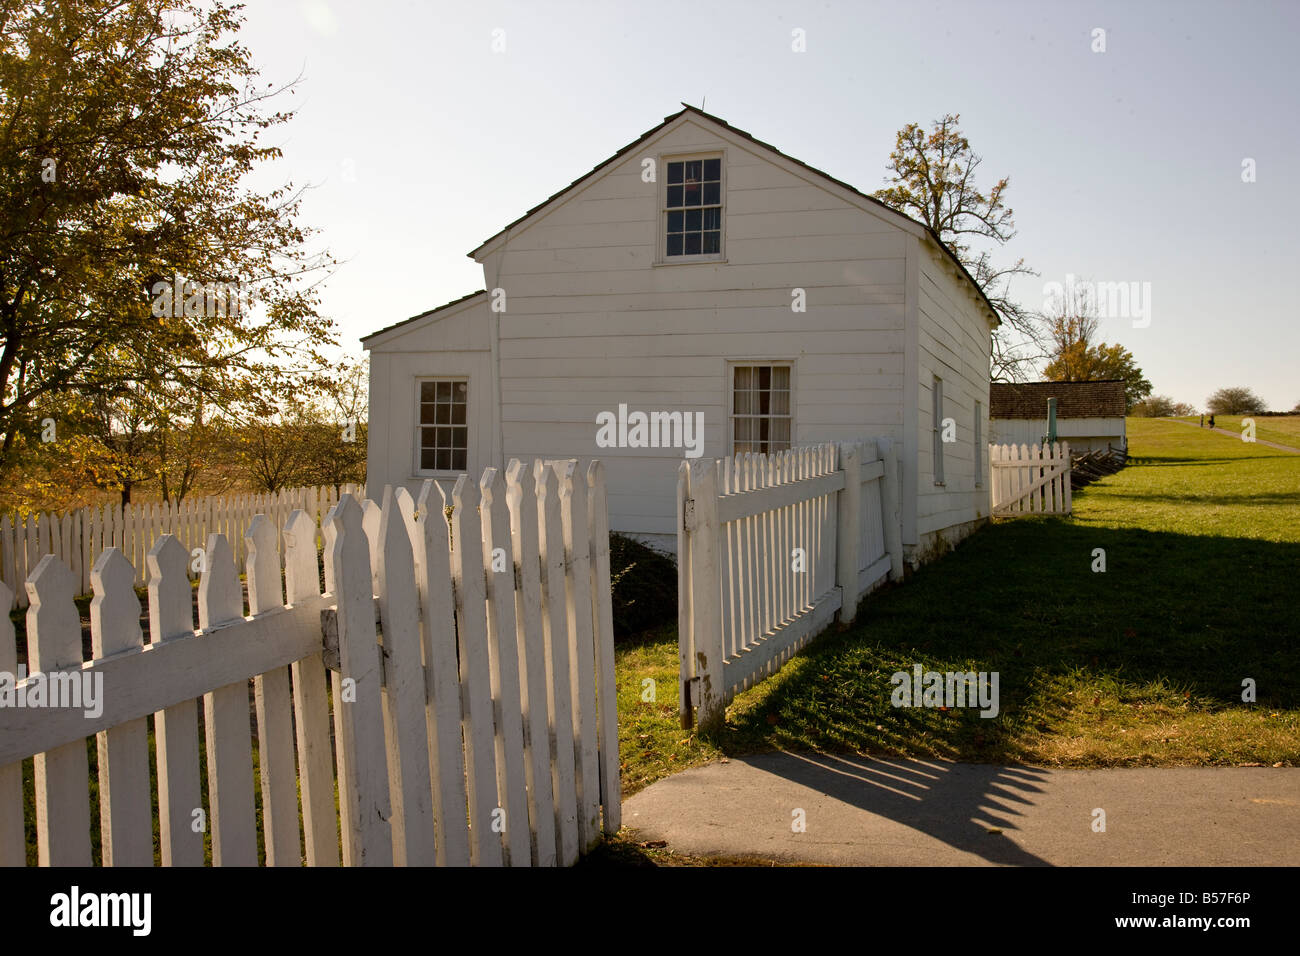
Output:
x=644 y=585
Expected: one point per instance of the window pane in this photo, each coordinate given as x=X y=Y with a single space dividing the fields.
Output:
x=444 y=460
x=693 y=219
x=692 y=243
x=781 y=376
x=461 y=392
x=458 y=414
x=674 y=196
x=712 y=168
x=444 y=391
x=711 y=193
x=780 y=402
x=712 y=242
x=712 y=218
x=427 y=459
x=675 y=172
x=744 y=429
x=693 y=170
x=675 y=245
x=780 y=434
x=764 y=377
x=675 y=222
x=459 y=437
x=443 y=414
x=743 y=402
x=427 y=412
x=692 y=195
x=426 y=391
x=458 y=459
x=743 y=373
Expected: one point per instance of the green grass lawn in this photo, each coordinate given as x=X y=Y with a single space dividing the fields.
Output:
x=1140 y=665
x=1282 y=429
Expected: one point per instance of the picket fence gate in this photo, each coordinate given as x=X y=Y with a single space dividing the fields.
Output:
x=78 y=538
x=770 y=549
x=483 y=729
x=1030 y=479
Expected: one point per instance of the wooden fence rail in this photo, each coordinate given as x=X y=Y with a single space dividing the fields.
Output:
x=78 y=538
x=482 y=730
x=770 y=549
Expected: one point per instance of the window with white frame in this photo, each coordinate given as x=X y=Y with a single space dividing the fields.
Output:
x=936 y=419
x=979 y=447
x=760 y=406
x=693 y=208
x=443 y=426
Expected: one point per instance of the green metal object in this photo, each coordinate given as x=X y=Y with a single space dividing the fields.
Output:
x=1051 y=421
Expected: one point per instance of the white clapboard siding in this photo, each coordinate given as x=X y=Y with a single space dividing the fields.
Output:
x=472 y=673
x=771 y=548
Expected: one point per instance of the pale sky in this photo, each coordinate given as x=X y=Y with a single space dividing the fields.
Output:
x=1125 y=165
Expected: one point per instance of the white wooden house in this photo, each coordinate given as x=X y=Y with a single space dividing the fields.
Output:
x=705 y=276
x=1089 y=415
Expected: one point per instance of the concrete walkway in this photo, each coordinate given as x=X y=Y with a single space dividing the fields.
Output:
x=1237 y=435
x=865 y=812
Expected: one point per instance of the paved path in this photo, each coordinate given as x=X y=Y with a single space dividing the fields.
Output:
x=1237 y=435
x=861 y=811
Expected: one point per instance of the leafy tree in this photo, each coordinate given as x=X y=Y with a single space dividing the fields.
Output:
x=1235 y=401
x=934 y=181
x=1160 y=406
x=1072 y=326
x=127 y=130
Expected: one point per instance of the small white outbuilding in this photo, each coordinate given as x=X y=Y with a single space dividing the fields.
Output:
x=714 y=281
x=1089 y=415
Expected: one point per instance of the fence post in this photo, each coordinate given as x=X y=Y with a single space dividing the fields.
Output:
x=706 y=604
x=891 y=496
x=848 y=533
x=685 y=649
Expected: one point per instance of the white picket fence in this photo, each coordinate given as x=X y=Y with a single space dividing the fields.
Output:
x=770 y=550
x=1027 y=480
x=482 y=731
x=78 y=538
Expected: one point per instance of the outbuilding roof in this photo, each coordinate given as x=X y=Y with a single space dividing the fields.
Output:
x=1028 y=400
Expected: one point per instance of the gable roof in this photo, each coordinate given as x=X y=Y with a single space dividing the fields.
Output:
x=422 y=315
x=473 y=254
x=1028 y=400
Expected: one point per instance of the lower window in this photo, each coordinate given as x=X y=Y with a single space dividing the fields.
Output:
x=760 y=406
x=444 y=431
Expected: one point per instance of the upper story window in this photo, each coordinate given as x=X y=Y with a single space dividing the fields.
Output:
x=443 y=428
x=694 y=207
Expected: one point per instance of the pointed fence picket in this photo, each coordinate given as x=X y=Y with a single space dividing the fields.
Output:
x=78 y=538
x=471 y=667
